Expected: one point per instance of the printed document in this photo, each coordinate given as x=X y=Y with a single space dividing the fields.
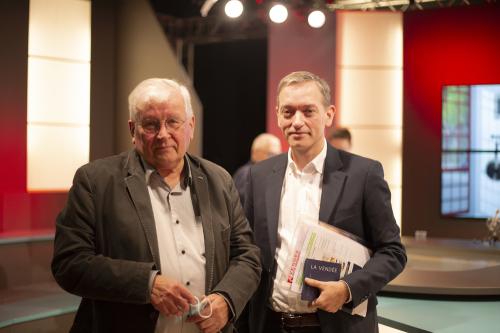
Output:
x=321 y=241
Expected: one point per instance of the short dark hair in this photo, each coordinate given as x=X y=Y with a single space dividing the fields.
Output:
x=303 y=76
x=340 y=133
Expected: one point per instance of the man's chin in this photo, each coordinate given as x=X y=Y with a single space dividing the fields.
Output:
x=163 y=150
x=166 y=165
x=167 y=158
x=296 y=143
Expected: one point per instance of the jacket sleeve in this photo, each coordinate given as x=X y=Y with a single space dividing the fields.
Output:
x=243 y=274
x=79 y=267
x=389 y=256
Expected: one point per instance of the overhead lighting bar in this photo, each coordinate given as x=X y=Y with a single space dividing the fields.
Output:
x=369 y=5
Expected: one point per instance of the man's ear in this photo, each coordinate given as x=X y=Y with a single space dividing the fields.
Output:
x=277 y=115
x=330 y=113
x=192 y=124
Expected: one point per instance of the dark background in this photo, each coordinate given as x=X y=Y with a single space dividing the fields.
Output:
x=231 y=81
x=229 y=75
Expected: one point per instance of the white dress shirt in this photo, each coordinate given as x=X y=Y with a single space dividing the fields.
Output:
x=300 y=202
x=180 y=242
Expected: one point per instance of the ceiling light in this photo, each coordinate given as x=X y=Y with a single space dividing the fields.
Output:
x=278 y=13
x=233 y=8
x=316 y=19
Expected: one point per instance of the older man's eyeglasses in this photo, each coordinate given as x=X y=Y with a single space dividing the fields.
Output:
x=153 y=126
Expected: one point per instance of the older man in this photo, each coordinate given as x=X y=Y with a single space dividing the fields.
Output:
x=315 y=181
x=146 y=233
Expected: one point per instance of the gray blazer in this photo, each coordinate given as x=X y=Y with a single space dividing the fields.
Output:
x=355 y=198
x=106 y=245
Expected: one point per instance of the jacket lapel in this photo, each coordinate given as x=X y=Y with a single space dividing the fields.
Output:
x=333 y=183
x=138 y=191
x=273 y=198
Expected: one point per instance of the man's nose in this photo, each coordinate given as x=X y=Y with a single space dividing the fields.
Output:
x=298 y=119
x=163 y=132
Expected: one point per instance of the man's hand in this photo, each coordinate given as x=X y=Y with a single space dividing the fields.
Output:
x=218 y=319
x=333 y=294
x=170 y=297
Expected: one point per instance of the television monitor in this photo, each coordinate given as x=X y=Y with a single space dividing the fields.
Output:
x=470 y=151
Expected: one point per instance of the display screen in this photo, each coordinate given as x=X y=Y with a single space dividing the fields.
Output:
x=470 y=151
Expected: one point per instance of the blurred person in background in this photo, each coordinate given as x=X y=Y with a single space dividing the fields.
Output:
x=265 y=145
x=341 y=138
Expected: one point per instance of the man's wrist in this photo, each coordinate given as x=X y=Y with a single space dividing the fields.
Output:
x=231 y=313
x=349 y=295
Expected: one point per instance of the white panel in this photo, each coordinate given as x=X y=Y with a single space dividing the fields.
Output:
x=370 y=38
x=60 y=28
x=371 y=97
x=54 y=155
x=383 y=145
x=58 y=92
x=369 y=90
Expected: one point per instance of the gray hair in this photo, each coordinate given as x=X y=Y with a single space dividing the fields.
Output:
x=153 y=91
x=303 y=76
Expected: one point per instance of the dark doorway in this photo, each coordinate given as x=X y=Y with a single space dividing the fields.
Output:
x=231 y=81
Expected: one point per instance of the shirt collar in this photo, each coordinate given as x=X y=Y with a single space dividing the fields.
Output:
x=315 y=165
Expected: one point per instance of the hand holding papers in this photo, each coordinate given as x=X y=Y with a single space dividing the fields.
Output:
x=326 y=243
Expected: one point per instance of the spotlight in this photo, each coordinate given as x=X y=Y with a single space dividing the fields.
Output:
x=316 y=19
x=278 y=13
x=233 y=8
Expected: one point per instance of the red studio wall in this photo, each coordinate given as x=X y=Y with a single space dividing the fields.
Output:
x=20 y=212
x=459 y=45
x=294 y=46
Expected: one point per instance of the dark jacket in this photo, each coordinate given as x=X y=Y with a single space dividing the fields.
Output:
x=354 y=198
x=106 y=245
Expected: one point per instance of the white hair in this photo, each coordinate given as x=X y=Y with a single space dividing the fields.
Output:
x=155 y=91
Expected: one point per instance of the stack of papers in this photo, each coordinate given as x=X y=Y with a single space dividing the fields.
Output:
x=321 y=241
